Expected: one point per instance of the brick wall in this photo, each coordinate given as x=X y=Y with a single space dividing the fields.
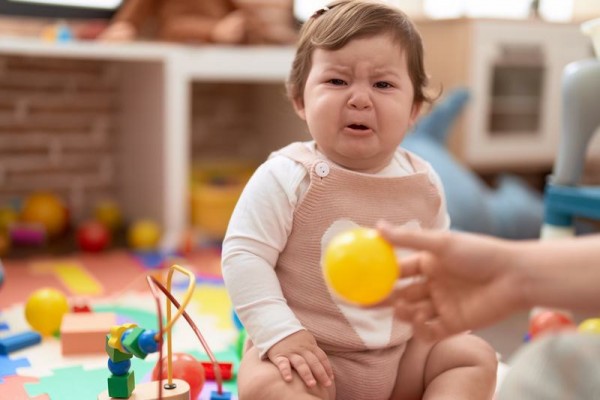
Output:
x=57 y=129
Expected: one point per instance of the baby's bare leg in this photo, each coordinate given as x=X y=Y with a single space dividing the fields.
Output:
x=410 y=383
x=461 y=367
x=259 y=379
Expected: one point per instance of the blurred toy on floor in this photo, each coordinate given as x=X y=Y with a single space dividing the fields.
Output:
x=512 y=210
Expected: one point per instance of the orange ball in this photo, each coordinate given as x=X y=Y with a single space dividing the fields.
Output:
x=47 y=209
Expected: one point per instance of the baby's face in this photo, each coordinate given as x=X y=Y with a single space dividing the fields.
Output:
x=358 y=102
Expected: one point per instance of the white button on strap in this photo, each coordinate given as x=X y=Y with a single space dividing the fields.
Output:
x=322 y=169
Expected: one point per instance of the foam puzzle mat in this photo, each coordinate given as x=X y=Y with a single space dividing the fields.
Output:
x=112 y=282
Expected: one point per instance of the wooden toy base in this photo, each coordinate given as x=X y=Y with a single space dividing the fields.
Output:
x=149 y=391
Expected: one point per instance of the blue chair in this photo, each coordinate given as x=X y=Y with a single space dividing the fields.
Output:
x=564 y=197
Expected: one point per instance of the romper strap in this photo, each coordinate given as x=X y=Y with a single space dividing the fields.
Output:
x=297 y=151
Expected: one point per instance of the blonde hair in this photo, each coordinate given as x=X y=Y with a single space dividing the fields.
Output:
x=332 y=27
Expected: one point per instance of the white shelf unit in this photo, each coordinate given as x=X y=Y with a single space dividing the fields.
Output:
x=513 y=69
x=154 y=120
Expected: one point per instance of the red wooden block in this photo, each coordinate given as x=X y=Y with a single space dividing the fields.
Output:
x=226 y=370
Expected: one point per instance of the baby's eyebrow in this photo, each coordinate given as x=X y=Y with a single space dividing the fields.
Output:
x=336 y=68
x=386 y=72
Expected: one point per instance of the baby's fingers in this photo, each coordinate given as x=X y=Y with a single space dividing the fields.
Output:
x=325 y=362
x=318 y=369
x=303 y=370
x=285 y=369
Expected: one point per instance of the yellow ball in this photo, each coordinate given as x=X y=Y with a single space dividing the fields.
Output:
x=44 y=310
x=108 y=213
x=360 y=266
x=144 y=235
x=8 y=216
x=591 y=325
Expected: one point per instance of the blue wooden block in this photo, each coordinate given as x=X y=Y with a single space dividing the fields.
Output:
x=19 y=341
x=4 y=326
x=223 y=396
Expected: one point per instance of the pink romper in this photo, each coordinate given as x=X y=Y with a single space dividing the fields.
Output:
x=364 y=368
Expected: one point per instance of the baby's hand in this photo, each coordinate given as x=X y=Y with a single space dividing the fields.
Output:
x=300 y=352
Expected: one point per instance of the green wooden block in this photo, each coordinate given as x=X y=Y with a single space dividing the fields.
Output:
x=114 y=354
x=121 y=386
x=131 y=343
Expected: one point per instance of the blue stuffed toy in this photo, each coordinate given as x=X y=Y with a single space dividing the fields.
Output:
x=512 y=210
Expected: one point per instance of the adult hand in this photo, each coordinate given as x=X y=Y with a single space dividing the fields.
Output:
x=462 y=281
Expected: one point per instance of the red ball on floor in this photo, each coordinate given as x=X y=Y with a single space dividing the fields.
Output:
x=187 y=368
x=93 y=236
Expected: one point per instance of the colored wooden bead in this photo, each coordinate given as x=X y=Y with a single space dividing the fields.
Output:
x=120 y=367
x=147 y=343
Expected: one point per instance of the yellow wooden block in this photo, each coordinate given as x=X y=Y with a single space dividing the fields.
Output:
x=149 y=391
x=116 y=332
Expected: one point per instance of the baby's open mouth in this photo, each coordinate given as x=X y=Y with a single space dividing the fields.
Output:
x=357 y=126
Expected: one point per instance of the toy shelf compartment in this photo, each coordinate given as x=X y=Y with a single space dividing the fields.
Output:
x=154 y=118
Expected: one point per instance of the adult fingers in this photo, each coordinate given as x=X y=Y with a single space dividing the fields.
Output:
x=410 y=265
x=419 y=240
x=412 y=292
x=403 y=297
x=403 y=310
x=423 y=311
x=431 y=329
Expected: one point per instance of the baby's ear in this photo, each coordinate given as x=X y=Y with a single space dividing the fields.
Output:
x=298 y=103
x=416 y=110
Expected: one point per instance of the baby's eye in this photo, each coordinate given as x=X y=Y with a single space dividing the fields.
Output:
x=337 y=82
x=383 y=85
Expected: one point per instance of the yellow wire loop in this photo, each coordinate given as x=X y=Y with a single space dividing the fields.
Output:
x=186 y=299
